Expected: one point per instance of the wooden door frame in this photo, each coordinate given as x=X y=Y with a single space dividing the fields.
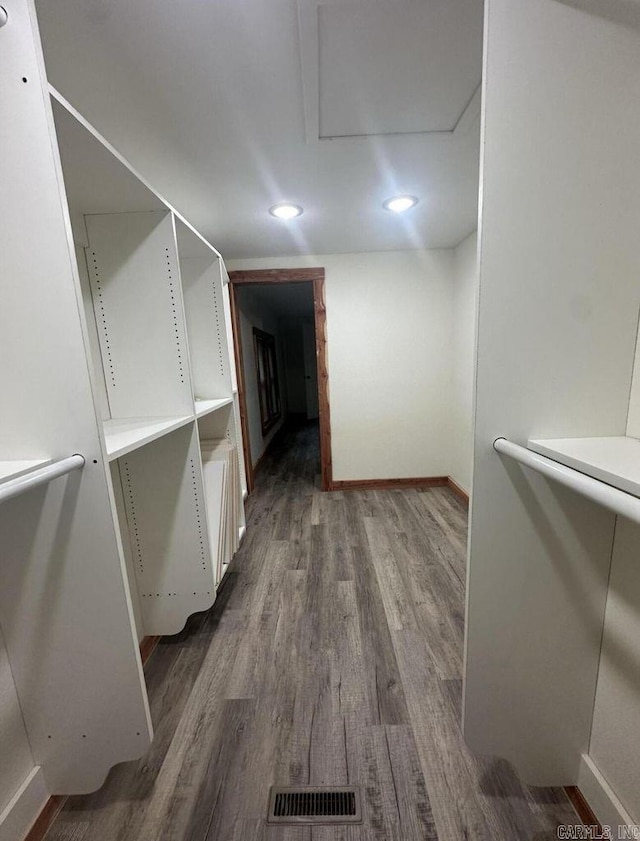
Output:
x=263 y=277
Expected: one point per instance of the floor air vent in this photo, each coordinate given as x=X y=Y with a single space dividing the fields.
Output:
x=314 y=805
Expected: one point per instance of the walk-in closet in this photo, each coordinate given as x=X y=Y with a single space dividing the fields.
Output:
x=319 y=420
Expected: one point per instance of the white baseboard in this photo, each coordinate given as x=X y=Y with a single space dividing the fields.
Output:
x=602 y=799
x=21 y=811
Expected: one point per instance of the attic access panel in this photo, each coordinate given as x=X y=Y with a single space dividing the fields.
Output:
x=411 y=66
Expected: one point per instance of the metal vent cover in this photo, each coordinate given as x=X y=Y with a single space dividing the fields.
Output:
x=314 y=805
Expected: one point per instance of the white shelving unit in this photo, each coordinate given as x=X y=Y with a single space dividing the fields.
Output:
x=122 y=358
x=154 y=296
x=614 y=460
x=552 y=660
x=70 y=673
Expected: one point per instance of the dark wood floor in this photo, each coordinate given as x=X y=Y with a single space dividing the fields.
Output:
x=333 y=655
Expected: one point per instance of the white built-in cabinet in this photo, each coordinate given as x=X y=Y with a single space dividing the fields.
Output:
x=552 y=672
x=115 y=344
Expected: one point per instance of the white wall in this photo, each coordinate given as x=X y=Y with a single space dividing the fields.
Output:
x=465 y=294
x=254 y=314
x=389 y=346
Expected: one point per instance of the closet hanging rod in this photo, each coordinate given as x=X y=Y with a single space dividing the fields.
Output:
x=609 y=497
x=40 y=476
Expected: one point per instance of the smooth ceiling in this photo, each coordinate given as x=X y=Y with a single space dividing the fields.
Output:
x=206 y=100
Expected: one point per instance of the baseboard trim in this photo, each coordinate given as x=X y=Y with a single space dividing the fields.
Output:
x=601 y=798
x=261 y=457
x=147 y=647
x=459 y=491
x=47 y=816
x=582 y=808
x=415 y=482
x=387 y=484
x=23 y=813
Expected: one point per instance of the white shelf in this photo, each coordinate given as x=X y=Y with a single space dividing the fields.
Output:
x=122 y=435
x=614 y=460
x=204 y=407
x=14 y=469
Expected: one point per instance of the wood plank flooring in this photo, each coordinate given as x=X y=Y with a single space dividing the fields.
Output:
x=333 y=655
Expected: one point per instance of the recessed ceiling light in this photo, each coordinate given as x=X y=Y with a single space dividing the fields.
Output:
x=398 y=204
x=285 y=211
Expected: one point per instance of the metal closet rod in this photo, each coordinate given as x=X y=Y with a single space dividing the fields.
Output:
x=40 y=476
x=609 y=497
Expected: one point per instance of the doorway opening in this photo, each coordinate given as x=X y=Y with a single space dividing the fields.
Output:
x=286 y=373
